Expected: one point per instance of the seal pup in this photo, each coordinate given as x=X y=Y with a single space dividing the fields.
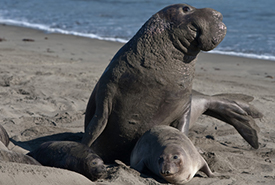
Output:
x=70 y=155
x=169 y=154
x=4 y=137
x=149 y=80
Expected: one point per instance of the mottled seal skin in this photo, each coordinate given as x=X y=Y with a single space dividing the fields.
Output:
x=169 y=154
x=4 y=137
x=70 y=155
x=11 y=156
x=233 y=109
x=149 y=80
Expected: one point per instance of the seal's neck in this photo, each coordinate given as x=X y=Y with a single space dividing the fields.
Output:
x=153 y=47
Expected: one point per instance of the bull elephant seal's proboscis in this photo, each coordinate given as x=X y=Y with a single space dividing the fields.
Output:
x=70 y=155
x=169 y=154
x=149 y=80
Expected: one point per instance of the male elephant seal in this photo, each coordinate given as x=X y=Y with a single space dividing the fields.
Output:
x=169 y=154
x=70 y=155
x=4 y=137
x=149 y=80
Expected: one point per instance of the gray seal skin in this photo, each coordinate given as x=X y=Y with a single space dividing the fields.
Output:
x=149 y=80
x=70 y=155
x=233 y=109
x=169 y=154
x=11 y=156
x=4 y=137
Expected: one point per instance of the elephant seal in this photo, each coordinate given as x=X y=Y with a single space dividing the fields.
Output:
x=169 y=154
x=70 y=155
x=149 y=80
x=4 y=137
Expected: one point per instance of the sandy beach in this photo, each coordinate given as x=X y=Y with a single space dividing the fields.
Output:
x=45 y=83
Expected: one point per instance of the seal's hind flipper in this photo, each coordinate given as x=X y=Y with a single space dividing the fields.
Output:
x=247 y=132
x=242 y=97
x=235 y=110
x=242 y=101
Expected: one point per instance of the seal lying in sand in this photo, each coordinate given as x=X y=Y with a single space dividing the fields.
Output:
x=4 y=137
x=169 y=154
x=70 y=155
x=149 y=80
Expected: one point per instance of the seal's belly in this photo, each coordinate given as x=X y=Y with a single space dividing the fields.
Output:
x=133 y=114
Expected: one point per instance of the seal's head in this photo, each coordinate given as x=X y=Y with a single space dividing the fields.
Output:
x=174 y=165
x=191 y=29
x=94 y=166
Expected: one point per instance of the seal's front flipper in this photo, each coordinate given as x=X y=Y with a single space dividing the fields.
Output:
x=205 y=169
x=235 y=110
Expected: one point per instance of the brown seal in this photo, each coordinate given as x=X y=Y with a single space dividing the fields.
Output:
x=4 y=137
x=70 y=155
x=149 y=80
x=169 y=154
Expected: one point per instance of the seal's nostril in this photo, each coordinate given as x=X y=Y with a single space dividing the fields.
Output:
x=165 y=172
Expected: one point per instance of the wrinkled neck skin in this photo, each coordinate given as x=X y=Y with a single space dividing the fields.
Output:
x=155 y=46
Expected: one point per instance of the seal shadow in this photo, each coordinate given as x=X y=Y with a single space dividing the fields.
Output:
x=34 y=143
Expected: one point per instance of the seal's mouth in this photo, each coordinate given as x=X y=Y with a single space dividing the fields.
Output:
x=194 y=31
x=168 y=176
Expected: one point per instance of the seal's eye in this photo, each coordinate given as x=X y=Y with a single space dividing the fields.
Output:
x=186 y=9
x=175 y=157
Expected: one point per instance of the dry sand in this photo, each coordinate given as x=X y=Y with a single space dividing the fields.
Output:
x=45 y=83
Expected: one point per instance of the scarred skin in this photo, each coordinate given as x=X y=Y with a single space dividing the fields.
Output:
x=149 y=80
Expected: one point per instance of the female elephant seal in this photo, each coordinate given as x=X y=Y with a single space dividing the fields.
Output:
x=149 y=80
x=70 y=155
x=169 y=154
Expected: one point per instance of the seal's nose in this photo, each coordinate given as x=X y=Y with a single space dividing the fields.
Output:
x=214 y=13
x=165 y=172
x=218 y=15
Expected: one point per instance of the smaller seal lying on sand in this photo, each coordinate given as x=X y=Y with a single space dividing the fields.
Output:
x=169 y=154
x=4 y=137
x=70 y=155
